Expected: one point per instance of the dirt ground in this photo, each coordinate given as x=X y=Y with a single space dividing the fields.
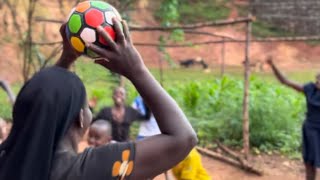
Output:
x=275 y=167
x=273 y=171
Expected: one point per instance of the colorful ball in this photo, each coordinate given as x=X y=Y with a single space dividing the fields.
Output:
x=83 y=21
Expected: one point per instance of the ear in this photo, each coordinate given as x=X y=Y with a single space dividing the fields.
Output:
x=81 y=118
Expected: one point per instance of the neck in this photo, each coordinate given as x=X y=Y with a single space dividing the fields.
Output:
x=70 y=142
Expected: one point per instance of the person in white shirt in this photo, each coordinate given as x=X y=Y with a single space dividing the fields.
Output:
x=147 y=128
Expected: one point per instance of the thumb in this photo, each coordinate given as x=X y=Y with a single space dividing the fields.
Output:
x=103 y=62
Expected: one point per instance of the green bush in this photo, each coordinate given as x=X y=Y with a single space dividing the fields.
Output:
x=215 y=110
x=214 y=106
x=189 y=11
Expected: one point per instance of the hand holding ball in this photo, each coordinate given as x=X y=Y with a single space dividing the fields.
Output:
x=83 y=21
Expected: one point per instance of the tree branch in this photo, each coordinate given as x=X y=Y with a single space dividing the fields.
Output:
x=47 y=43
x=160 y=28
x=42 y=19
x=54 y=53
x=207 y=34
x=191 y=26
x=258 y=40
x=246 y=166
x=13 y=11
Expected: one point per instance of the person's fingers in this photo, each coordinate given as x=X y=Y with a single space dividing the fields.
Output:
x=126 y=31
x=101 y=59
x=100 y=51
x=119 y=32
x=105 y=63
x=107 y=37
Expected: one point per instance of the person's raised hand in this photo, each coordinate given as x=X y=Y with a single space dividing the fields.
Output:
x=69 y=55
x=270 y=61
x=121 y=56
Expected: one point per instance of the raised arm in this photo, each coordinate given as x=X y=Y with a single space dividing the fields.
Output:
x=4 y=85
x=69 y=55
x=156 y=154
x=282 y=78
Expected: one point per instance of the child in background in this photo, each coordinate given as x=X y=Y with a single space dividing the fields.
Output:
x=3 y=130
x=100 y=133
x=191 y=168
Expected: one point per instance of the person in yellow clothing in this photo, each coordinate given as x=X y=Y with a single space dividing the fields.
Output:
x=191 y=168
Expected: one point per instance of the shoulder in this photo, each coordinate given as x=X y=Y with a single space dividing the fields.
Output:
x=105 y=162
x=105 y=110
x=309 y=87
x=130 y=109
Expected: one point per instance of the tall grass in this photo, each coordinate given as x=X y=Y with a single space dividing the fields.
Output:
x=215 y=110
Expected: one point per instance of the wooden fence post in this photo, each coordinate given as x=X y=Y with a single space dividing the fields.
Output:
x=222 y=65
x=245 y=128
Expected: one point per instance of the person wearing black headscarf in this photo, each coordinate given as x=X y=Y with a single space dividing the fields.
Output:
x=51 y=116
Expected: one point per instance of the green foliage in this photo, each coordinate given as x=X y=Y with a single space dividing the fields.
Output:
x=202 y=10
x=313 y=42
x=190 y=11
x=6 y=108
x=215 y=110
x=214 y=106
x=162 y=49
x=264 y=29
x=177 y=35
x=168 y=12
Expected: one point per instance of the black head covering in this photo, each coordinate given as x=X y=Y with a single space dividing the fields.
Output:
x=45 y=108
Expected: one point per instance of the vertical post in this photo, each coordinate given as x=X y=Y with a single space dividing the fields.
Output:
x=161 y=70
x=222 y=65
x=245 y=128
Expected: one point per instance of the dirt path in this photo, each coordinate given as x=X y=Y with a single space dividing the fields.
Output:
x=275 y=167
x=285 y=170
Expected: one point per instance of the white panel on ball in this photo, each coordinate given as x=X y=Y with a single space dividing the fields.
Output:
x=109 y=15
x=88 y=35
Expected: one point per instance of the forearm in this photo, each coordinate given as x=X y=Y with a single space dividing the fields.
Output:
x=66 y=60
x=169 y=116
x=278 y=74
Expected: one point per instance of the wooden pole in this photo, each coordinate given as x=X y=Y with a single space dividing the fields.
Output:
x=222 y=58
x=245 y=165
x=245 y=128
x=161 y=70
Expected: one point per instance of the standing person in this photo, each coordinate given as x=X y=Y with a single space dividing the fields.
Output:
x=121 y=116
x=51 y=116
x=311 y=125
x=147 y=128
